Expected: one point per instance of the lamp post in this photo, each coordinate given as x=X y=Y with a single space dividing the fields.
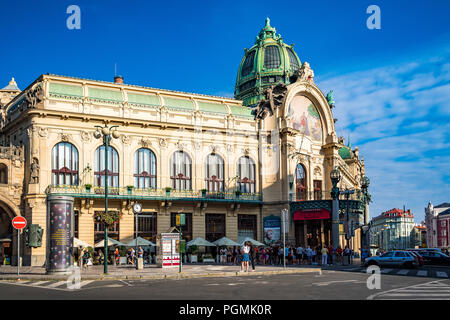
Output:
x=107 y=133
x=335 y=176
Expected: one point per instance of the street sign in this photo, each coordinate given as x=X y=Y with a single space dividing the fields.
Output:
x=285 y=221
x=19 y=223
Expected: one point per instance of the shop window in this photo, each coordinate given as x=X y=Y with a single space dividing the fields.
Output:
x=181 y=170
x=64 y=164
x=146 y=226
x=215 y=226
x=246 y=227
x=187 y=228
x=246 y=172
x=144 y=169
x=214 y=173
x=113 y=167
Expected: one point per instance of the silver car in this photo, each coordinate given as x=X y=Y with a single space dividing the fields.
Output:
x=394 y=258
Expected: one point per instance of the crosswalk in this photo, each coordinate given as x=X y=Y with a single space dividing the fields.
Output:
x=434 y=290
x=52 y=285
x=429 y=273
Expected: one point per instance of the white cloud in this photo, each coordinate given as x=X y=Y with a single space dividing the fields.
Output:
x=399 y=117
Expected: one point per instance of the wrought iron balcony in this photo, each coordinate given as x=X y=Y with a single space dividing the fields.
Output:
x=151 y=194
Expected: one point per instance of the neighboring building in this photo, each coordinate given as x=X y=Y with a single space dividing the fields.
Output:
x=393 y=229
x=437 y=220
x=419 y=236
x=185 y=141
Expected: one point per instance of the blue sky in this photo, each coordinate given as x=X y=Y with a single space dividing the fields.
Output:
x=392 y=86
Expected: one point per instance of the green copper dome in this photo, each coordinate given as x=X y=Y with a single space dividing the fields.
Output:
x=269 y=62
x=345 y=153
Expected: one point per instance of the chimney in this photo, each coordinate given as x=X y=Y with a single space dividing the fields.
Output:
x=118 y=79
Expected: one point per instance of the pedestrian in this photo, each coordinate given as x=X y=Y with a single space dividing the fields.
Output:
x=235 y=254
x=339 y=254
x=100 y=256
x=86 y=256
x=330 y=254
x=116 y=256
x=140 y=252
x=309 y=254
x=252 y=256
x=245 y=250
x=299 y=254
x=324 y=256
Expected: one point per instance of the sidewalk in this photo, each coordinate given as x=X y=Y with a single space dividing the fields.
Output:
x=152 y=272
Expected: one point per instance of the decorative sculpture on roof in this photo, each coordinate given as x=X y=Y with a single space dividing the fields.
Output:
x=330 y=99
x=34 y=95
x=274 y=96
x=305 y=73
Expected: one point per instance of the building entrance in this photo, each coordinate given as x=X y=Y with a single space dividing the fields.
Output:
x=6 y=237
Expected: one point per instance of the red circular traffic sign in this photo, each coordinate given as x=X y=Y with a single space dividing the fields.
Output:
x=19 y=223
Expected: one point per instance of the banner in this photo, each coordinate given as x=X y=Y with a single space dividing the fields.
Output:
x=272 y=229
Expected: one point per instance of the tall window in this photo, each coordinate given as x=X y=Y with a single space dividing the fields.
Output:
x=187 y=228
x=246 y=226
x=300 y=174
x=64 y=164
x=214 y=173
x=180 y=171
x=146 y=226
x=144 y=169
x=3 y=174
x=246 y=173
x=317 y=190
x=215 y=226
x=113 y=167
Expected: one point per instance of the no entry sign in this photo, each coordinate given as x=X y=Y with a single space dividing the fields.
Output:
x=19 y=223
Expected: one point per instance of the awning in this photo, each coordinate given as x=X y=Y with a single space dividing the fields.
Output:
x=312 y=214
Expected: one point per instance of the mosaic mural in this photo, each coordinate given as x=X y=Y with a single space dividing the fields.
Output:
x=303 y=116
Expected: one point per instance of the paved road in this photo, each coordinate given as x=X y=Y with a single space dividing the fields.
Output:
x=329 y=285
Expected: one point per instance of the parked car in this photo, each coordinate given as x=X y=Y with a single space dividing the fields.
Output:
x=394 y=258
x=434 y=257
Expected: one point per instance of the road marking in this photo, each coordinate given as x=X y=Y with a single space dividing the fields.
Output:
x=403 y=272
x=85 y=283
x=422 y=273
x=330 y=282
x=385 y=270
x=442 y=274
x=56 y=284
x=39 y=283
x=429 y=290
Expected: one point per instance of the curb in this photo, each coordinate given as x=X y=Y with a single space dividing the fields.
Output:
x=161 y=276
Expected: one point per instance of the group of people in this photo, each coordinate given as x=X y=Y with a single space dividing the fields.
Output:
x=274 y=255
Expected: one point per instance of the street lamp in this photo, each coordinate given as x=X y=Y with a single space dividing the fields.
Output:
x=335 y=176
x=107 y=133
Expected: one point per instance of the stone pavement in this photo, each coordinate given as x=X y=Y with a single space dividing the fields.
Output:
x=152 y=272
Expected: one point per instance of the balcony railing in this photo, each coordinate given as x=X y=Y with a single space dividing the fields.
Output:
x=321 y=195
x=150 y=194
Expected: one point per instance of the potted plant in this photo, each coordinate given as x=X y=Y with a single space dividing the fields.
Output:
x=88 y=187
x=193 y=254
x=168 y=189
x=130 y=189
x=204 y=193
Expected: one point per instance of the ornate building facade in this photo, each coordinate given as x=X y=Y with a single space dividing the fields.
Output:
x=437 y=219
x=228 y=164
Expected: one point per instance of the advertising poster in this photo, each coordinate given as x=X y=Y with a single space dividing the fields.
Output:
x=272 y=229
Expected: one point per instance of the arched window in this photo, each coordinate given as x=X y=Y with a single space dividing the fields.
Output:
x=144 y=169
x=3 y=174
x=300 y=179
x=113 y=167
x=246 y=172
x=181 y=171
x=64 y=164
x=214 y=173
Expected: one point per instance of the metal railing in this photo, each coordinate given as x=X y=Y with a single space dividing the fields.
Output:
x=150 y=193
x=321 y=195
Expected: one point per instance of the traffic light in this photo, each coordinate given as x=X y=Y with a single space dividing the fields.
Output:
x=33 y=236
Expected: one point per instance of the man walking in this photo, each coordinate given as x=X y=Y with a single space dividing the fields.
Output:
x=252 y=256
x=324 y=256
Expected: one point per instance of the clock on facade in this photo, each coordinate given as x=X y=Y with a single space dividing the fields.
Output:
x=137 y=207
